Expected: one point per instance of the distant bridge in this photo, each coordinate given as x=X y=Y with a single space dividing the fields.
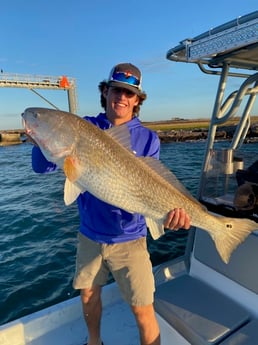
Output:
x=33 y=82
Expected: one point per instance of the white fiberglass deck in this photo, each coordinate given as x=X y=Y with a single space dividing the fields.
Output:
x=63 y=324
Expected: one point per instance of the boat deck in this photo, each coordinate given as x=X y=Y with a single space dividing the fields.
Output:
x=63 y=324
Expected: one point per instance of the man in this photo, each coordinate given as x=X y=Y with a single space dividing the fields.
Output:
x=110 y=239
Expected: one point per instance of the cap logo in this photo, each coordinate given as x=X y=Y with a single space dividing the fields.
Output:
x=128 y=74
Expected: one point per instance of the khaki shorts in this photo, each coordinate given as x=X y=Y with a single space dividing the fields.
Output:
x=129 y=263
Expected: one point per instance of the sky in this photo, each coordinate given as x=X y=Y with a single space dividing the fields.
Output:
x=84 y=39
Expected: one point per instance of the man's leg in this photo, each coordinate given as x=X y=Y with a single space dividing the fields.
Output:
x=147 y=324
x=91 y=273
x=92 y=309
x=131 y=267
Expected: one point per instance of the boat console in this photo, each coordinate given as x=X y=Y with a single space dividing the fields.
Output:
x=203 y=300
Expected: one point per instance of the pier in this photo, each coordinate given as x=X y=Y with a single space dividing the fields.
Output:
x=33 y=82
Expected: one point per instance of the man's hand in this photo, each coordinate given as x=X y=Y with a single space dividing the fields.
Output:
x=177 y=219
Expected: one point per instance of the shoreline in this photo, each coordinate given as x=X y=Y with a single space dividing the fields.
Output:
x=197 y=130
x=176 y=130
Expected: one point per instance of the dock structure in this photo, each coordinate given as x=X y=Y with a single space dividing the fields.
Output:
x=33 y=82
x=13 y=137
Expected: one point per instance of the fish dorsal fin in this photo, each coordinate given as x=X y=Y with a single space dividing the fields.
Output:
x=121 y=134
x=71 y=192
x=156 y=229
x=164 y=172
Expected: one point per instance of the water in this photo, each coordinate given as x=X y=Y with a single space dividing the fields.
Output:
x=38 y=233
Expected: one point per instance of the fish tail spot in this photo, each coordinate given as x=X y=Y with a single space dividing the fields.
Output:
x=230 y=232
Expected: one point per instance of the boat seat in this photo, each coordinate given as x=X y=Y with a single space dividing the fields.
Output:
x=201 y=314
x=247 y=335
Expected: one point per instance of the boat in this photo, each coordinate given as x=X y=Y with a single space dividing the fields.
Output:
x=199 y=300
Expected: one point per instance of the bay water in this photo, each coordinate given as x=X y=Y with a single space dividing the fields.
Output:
x=38 y=232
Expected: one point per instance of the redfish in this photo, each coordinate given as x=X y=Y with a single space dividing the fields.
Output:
x=102 y=163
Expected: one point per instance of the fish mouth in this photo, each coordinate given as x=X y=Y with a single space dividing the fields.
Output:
x=24 y=124
x=26 y=127
x=29 y=130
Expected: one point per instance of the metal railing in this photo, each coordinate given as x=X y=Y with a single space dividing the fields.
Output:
x=40 y=81
x=32 y=82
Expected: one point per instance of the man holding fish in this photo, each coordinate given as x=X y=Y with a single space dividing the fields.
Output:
x=111 y=239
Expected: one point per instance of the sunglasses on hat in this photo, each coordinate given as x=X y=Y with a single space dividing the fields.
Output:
x=125 y=77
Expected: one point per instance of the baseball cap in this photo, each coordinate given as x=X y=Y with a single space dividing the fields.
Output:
x=126 y=76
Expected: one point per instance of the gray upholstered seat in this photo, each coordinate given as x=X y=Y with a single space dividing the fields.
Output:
x=247 y=335
x=197 y=311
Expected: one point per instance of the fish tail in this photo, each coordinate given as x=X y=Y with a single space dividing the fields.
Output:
x=230 y=233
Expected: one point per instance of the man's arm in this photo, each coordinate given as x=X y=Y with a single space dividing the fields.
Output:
x=39 y=163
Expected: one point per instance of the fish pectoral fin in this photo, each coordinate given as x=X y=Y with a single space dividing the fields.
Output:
x=156 y=228
x=72 y=168
x=71 y=192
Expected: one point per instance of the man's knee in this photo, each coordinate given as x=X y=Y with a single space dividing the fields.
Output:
x=91 y=295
